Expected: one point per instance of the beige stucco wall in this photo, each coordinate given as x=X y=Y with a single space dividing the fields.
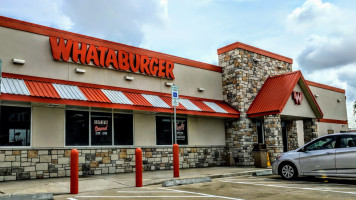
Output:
x=303 y=110
x=144 y=130
x=206 y=131
x=35 y=50
x=300 y=132
x=47 y=127
x=327 y=101
x=324 y=127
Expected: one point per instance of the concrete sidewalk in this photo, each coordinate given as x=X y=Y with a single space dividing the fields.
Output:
x=57 y=186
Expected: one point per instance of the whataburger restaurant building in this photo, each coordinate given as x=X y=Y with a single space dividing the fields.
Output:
x=62 y=90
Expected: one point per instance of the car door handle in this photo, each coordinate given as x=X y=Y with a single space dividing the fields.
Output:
x=327 y=153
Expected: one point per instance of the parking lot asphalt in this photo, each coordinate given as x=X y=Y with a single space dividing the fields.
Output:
x=235 y=188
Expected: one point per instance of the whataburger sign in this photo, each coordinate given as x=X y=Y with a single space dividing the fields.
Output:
x=106 y=58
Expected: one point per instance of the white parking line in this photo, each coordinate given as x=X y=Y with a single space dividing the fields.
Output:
x=145 y=191
x=145 y=197
x=205 y=195
x=289 y=187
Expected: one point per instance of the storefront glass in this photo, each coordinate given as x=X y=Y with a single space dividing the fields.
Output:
x=164 y=130
x=102 y=127
x=123 y=129
x=15 y=126
x=77 y=126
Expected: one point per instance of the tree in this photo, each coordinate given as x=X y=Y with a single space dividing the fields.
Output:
x=355 y=108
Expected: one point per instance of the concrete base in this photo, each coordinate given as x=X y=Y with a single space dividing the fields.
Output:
x=176 y=182
x=40 y=196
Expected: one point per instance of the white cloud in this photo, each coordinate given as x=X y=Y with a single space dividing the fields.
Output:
x=313 y=14
x=48 y=13
x=119 y=21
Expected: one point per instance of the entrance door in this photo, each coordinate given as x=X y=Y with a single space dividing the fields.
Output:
x=284 y=137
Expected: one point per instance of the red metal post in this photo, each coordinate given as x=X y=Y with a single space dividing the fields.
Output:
x=175 y=160
x=74 y=171
x=138 y=154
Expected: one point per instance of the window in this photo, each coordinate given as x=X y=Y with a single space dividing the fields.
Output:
x=348 y=141
x=322 y=143
x=101 y=132
x=77 y=127
x=123 y=131
x=164 y=130
x=15 y=126
x=106 y=128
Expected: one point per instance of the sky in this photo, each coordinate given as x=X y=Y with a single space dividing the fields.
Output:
x=319 y=35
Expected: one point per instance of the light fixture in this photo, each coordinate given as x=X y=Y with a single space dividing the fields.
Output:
x=338 y=100
x=129 y=78
x=201 y=89
x=80 y=71
x=316 y=95
x=18 y=61
x=168 y=84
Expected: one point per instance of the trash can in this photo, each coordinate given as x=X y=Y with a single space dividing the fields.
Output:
x=260 y=155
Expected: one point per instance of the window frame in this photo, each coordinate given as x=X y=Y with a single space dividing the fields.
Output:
x=98 y=110
x=31 y=125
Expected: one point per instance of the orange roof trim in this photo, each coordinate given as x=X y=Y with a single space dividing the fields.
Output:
x=239 y=45
x=319 y=85
x=48 y=31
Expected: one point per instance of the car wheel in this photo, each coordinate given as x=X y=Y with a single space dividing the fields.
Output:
x=288 y=171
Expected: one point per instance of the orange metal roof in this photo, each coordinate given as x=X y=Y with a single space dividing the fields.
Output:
x=41 y=89
x=275 y=93
x=137 y=99
x=93 y=94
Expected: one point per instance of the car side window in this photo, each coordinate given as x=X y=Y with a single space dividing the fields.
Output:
x=322 y=143
x=348 y=141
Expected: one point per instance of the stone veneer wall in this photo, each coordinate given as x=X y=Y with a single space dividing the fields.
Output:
x=48 y=163
x=273 y=135
x=242 y=79
x=310 y=129
x=292 y=135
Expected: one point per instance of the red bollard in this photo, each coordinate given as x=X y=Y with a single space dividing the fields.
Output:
x=138 y=154
x=74 y=170
x=175 y=160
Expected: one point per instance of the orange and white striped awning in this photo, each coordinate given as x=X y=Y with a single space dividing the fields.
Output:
x=36 y=89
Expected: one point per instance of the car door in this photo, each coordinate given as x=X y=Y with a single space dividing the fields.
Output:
x=318 y=157
x=346 y=155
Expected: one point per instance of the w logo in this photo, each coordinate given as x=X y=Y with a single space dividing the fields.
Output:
x=297 y=97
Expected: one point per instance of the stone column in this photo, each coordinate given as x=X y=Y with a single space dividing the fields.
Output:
x=273 y=135
x=244 y=73
x=292 y=135
x=310 y=129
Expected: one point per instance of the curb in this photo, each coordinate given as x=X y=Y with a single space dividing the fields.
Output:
x=262 y=173
x=40 y=196
x=186 y=181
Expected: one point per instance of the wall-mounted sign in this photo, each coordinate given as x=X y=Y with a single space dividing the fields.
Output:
x=110 y=58
x=297 y=97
